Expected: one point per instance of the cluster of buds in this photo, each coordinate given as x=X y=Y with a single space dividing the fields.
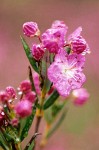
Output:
x=19 y=110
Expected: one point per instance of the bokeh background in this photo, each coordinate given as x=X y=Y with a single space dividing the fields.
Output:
x=80 y=130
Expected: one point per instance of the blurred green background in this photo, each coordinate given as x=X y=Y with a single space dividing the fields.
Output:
x=80 y=130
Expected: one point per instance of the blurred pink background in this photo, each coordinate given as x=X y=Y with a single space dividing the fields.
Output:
x=80 y=130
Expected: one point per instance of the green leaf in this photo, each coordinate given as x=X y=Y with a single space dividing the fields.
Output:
x=51 y=99
x=3 y=142
x=28 y=54
x=11 y=134
x=52 y=112
x=57 y=124
x=26 y=124
x=31 y=146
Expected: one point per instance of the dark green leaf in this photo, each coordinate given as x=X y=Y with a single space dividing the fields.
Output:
x=28 y=54
x=3 y=142
x=11 y=134
x=26 y=124
x=51 y=99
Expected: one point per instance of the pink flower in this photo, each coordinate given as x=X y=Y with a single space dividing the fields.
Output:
x=30 y=96
x=66 y=72
x=11 y=92
x=37 y=51
x=54 y=38
x=80 y=96
x=25 y=86
x=30 y=29
x=77 y=43
x=36 y=82
x=23 y=108
x=4 y=97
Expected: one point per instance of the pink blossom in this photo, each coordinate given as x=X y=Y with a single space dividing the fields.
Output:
x=4 y=97
x=37 y=51
x=30 y=29
x=80 y=96
x=30 y=96
x=66 y=72
x=36 y=82
x=54 y=38
x=11 y=92
x=25 y=86
x=77 y=43
x=23 y=108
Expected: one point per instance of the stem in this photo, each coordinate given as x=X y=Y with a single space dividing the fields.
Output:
x=39 y=39
x=18 y=146
x=39 y=115
x=44 y=139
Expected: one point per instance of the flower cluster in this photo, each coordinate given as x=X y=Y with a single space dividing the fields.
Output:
x=11 y=112
x=66 y=70
x=58 y=63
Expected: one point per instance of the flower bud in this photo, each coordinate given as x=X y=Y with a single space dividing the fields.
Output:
x=23 y=108
x=37 y=51
x=78 y=45
x=30 y=29
x=80 y=96
x=30 y=96
x=11 y=92
x=25 y=86
x=14 y=122
x=4 y=97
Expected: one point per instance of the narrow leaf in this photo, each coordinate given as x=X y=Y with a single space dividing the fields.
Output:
x=26 y=124
x=51 y=99
x=11 y=134
x=31 y=146
x=28 y=54
x=3 y=142
x=57 y=124
x=52 y=112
